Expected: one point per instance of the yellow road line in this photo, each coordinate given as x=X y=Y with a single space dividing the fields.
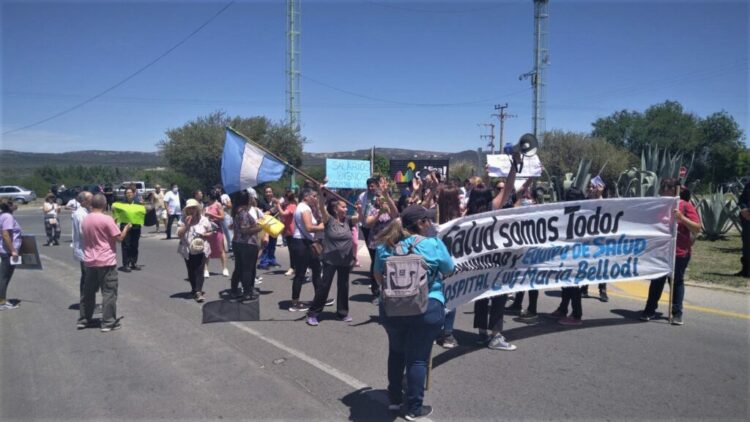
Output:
x=639 y=290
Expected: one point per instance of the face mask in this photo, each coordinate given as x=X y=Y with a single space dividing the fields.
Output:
x=525 y=202
x=175 y=190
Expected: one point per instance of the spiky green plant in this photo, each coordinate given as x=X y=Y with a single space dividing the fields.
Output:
x=655 y=166
x=715 y=213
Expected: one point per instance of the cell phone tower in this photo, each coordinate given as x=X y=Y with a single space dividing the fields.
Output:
x=538 y=75
x=292 y=63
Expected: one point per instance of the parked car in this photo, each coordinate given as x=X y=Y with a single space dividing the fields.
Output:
x=17 y=193
x=119 y=193
x=64 y=196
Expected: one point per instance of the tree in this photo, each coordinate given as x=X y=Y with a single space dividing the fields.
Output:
x=382 y=165
x=195 y=148
x=561 y=152
x=716 y=140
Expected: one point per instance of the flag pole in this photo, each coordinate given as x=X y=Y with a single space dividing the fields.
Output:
x=286 y=163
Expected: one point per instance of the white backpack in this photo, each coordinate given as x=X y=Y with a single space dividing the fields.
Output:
x=405 y=283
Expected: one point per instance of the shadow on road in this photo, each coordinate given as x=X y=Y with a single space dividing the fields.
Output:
x=466 y=340
x=367 y=404
x=225 y=311
x=361 y=297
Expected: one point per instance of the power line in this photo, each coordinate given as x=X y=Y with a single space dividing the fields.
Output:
x=385 y=100
x=420 y=10
x=129 y=77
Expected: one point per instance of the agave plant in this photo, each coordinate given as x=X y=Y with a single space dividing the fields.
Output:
x=733 y=209
x=655 y=166
x=715 y=213
x=556 y=187
x=637 y=183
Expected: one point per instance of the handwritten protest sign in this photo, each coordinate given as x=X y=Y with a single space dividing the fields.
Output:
x=559 y=245
x=129 y=213
x=347 y=174
x=498 y=165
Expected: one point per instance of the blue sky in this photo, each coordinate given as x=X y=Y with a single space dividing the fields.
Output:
x=424 y=73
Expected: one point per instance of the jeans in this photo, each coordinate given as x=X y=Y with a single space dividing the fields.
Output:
x=6 y=272
x=533 y=298
x=195 y=265
x=170 y=219
x=130 y=246
x=292 y=258
x=305 y=260
x=409 y=347
x=245 y=256
x=450 y=320
x=324 y=287
x=678 y=284
x=104 y=278
x=228 y=234
x=52 y=230
x=268 y=258
x=482 y=309
x=571 y=295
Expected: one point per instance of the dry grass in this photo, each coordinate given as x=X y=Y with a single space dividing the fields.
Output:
x=717 y=262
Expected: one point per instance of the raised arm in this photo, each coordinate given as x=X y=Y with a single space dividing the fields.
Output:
x=502 y=197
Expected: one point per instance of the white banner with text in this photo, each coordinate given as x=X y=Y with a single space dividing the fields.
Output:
x=557 y=245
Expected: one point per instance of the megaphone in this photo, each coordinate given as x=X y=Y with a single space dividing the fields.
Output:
x=527 y=147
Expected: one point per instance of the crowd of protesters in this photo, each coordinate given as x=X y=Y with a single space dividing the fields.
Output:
x=321 y=230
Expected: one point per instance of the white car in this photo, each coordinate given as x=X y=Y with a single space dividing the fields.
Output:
x=17 y=193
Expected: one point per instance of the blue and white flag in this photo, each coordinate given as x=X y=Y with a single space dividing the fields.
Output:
x=244 y=165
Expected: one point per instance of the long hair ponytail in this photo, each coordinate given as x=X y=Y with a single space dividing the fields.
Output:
x=392 y=234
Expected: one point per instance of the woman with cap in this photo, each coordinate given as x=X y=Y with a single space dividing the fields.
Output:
x=410 y=338
x=596 y=191
x=245 y=246
x=193 y=231
x=10 y=245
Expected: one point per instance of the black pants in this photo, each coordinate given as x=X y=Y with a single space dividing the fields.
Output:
x=374 y=286
x=83 y=276
x=745 y=248
x=245 y=256
x=130 y=245
x=496 y=311
x=571 y=295
x=170 y=219
x=342 y=289
x=292 y=259
x=195 y=265
x=305 y=259
x=602 y=288
x=533 y=298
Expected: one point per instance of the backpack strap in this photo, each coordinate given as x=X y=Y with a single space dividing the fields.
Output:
x=410 y=250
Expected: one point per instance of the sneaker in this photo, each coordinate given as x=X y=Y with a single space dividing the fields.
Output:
x=225 y=272
x=298 y=307
x=81 y=325
x=677 y=320
x=258 y=280
x=647 y=317
x=312 y=321
x=570 y=321
x=113 y=327
x=447 y=342
x=206 y=274
x=124 y=269
x=558 y=314
x=527 y=316
x=345 y=318
x=8 y=306
x=423 y=412
x=289 y=272
x=603 y=296
x=135 y=267
x=498 y=342
x=199 y=297
x=249 y=297
x=330 y=302
x=483 y=339
x=57 y=243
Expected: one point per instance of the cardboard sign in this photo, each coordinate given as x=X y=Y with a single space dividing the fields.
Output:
x=29 y=254
x=347 y=174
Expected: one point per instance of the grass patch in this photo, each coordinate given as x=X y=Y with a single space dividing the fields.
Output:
x=716 y=262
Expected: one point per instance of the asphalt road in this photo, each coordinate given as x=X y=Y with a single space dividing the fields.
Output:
x=166 y=364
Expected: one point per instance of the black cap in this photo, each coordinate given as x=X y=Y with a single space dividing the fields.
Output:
x=413 y=213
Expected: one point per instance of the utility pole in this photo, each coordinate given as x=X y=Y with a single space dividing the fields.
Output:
x=491 y=136
x=502 y=116
x=292 y=70
x=538 y=75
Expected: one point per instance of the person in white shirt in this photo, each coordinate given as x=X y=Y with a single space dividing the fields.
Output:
x=50 y=209
x=172 y=201
x=226 y=201
x=84 y=201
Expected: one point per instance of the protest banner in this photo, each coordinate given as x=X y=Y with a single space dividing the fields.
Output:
x=403 y=171
x=347 y=174
x=498 y=165
x=559 y=245
x=128 y=213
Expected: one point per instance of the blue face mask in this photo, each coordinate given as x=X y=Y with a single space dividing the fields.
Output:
x=432 y=231
x=525 y=202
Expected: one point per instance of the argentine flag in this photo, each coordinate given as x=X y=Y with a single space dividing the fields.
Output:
x=244 y=165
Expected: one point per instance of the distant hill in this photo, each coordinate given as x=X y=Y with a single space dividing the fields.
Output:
x=24 y=162
x=21 y=161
